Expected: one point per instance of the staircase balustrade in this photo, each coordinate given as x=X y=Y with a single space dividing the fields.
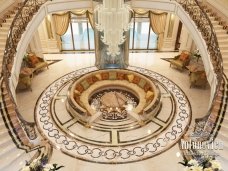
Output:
x=24 y=15
x=30 y=7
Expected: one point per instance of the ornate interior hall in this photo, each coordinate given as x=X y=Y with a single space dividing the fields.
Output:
x=113 y=84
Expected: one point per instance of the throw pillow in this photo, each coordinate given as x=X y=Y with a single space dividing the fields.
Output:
x=112 y=75
x=105 y=75
x=120 y=76
x=98 y=76
x=142 y=83
x=130 y=77
x=149 y=95
x=76 y=98
x=26 y=71
x=147 y=87
x=85 y=84
x=183 y=56
x=76 y=92
x=95 y=79
x=79 y=88
x=90 y=80
x=136 y=79
x=33 y=60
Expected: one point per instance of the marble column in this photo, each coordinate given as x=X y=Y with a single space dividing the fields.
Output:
x=35 y=45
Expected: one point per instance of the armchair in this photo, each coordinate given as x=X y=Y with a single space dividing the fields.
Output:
x=181 y=61
x=35 y=62
x=25 y=78
x=198 y=78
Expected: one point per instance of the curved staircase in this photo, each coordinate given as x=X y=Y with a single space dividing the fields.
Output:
x=9 y=152
x=215 y=123
x=222 y=36
x=16 y=141
x=16 y=134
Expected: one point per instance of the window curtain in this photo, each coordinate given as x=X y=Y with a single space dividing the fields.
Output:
x=157 y=23
x=88 y=13
x=141 y=11
x=61 y=25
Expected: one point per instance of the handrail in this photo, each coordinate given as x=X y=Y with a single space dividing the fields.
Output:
x=204 y=24
x=19 y=24
x=29 y=7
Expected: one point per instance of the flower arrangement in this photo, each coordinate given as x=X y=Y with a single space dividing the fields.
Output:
x=196 y=54
x=205 y=164
x=40 y=164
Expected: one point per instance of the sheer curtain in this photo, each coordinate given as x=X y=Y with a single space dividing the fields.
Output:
x=157 y=23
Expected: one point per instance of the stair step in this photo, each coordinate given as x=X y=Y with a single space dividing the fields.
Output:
x=224 y=52
x=218 y=29
x=225 y=118
x=15 y=160
x=222 y=37
x=4 y=151
x=225 y=144
x=217 y=26
x=2 y=126
x=9 y=19
x=4 y=133
x=214 y=22
x=3 y=33
x=5 y=141
x=212 y=18
x=12 y=155
x=222 y=41
x=224 y=129
x=220 y=32
x=222 y=136
x=224 y=46
x=4 y=28
x=2 y=44
x=6 y=24
x=3 y=39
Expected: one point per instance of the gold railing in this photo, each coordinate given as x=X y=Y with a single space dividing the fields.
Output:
x=192 y=7
x=24 y=15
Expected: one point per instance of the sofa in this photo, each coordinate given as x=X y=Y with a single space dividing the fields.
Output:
x=35 y=62
x=181 y=61
x=80 y=91
x=198 y=78
x=25 y=78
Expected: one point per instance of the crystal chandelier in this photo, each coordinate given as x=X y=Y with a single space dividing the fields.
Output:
x=113 y=19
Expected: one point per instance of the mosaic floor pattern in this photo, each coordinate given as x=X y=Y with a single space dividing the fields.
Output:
x=112 y=141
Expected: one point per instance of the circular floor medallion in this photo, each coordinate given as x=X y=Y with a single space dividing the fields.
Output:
x=113 y=102
x=112 y=141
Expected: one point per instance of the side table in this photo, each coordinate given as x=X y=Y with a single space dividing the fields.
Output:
x=25 y=78
x=197 y=75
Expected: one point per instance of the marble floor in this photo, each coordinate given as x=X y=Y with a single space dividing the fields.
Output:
x=150 y=61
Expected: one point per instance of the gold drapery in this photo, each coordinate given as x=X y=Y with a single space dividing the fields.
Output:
x=62 y=21
x=88 y=13
x=157 y=23
x=141 y=11
x=61 y=25
x=90 y=17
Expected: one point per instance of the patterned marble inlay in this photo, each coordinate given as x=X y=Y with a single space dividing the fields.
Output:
x=112 y=141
